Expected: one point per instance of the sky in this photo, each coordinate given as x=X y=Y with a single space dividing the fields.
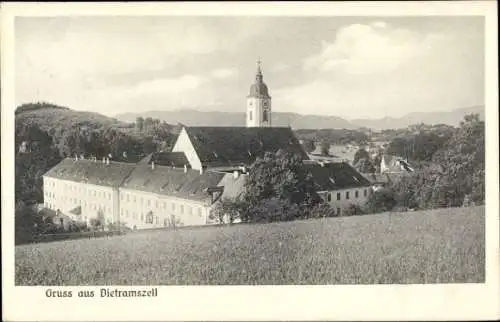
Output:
x=351 y=67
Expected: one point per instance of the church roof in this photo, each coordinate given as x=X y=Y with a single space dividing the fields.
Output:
x=173 y=159
x=233 y=146
x=335 y=176
x=92 y=172
x=174 y=182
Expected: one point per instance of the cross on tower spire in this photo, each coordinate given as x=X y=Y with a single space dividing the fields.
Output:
x=258 y=76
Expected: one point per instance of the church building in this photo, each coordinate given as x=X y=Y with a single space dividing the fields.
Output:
x=179 y=188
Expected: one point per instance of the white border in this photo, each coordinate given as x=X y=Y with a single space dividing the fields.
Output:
x=358 y=302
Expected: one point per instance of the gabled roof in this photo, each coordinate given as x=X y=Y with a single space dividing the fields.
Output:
x=334 y=176
x=92 y=172
x=229 y=146
x=173 y=182
x=172 y=159
x=233 y=187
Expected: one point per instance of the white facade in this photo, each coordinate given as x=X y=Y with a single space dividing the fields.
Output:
x=94 y=200
x=340 y=200
x=139 y=209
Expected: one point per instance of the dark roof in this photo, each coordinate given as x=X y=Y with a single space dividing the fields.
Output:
x=172 y=181
x=227 y=146
x=333 y=176
x=172 y=159
x=92 y=172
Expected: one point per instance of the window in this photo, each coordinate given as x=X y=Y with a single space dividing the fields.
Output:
x=149 y=202
x=142 y=216
x=364 y=192
x=250 y=114
x=121 y=197
x=128 y=198
x=157 y=220
x=356 y=193
x=135 y=199
x=190 y=210
x=199 y=212
x=149 y=219
x=264 y=116
x=126 y=213
x=173 y=206
x=182 y=209
x=347 y=194
x=156 y=203
x=142 y=201
x=164 y=205
x=109 y=195
x=329 y=197
x=338 y=195
x=339 y=212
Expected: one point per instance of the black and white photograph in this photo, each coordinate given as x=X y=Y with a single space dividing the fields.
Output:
x=157 y=150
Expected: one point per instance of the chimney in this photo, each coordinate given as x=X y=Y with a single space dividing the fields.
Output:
x=107 y=161
x=152 y=165
x=236 y=174
x=185 y=169
x=103 y=160
x=82 y=157
x=76 y=157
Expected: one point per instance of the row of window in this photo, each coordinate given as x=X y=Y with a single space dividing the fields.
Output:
x=127 y=213
x=156 y=203
x=347 y=195
x=84 y=191
x=148 y=219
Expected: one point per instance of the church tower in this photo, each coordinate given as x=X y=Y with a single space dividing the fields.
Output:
x=258 y=103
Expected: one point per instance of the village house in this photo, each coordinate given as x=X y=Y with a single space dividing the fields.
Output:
x=339 y=184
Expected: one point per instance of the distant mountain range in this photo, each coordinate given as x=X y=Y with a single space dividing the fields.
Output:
x=192 y=117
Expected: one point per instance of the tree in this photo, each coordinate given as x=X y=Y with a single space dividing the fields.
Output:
x=365 y=165
x=455 y=176
x=380 y=201
x=139 y=123
x=309 y=146
x=278 y=176
x=325 y=148
x=227 y=210
x=360 y=154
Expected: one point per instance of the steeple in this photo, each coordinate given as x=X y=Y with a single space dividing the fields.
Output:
x=258 y=75
x=258 y=102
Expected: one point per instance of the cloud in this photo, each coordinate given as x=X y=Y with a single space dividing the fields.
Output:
x=377 y=70
x=224 y=73
x=373 y=48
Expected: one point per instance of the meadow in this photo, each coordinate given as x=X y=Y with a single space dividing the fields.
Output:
x=438 y=246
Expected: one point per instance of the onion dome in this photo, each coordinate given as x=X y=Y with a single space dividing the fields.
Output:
x=258 y=88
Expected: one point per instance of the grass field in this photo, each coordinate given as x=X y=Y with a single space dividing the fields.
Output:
x=439 y=246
